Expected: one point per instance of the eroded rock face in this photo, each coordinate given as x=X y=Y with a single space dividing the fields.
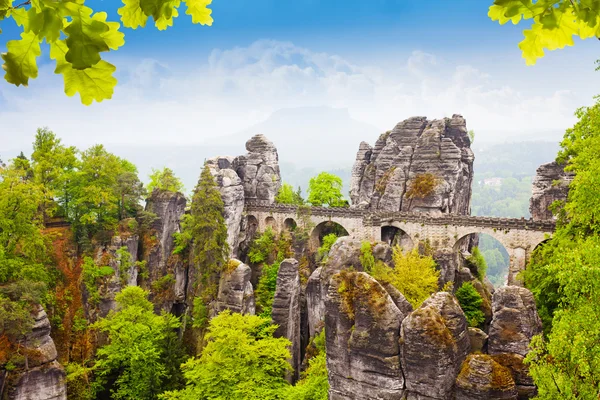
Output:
x=383 y=174
x=45 y=380
x=168 y=207
x=515 y=321
x=551 y=183
x=286 y=311
x=362 y=326
x=235 y=291
x=435 y=343
x=41 y=383
x=121 y=278
x=483 y=378
x=232 y=193
x=259 y=169
x=520 y=373
x=316 y=292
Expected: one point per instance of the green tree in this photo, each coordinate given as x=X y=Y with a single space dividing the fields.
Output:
x=140 y=357
x=564 y=276
x=164 y=179
x=265 y=290
x=477 y=259
x=53 y=166
x=328 y=242
x=77 y=35
x=314 y=384
x=554 y=23
x=470 y=301
x=413 y=275
x=326 y=190
x=286 y=195
x=241 y=360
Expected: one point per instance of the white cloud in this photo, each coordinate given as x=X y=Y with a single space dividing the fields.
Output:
x=235 y=88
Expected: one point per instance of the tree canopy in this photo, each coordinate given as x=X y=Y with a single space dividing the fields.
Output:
x=164 y=179
x=241 y=360
x=78 y=35
x=326 y=190
x=564 y=275
x=287 y=195
x=554 y=23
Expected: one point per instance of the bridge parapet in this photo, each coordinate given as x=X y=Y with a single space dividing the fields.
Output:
x=375 y=218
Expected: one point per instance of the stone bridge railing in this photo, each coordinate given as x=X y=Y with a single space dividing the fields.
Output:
x=374 y=218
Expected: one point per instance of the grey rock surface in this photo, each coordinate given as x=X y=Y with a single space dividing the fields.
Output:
x=316 y=292
x=286 y=311
x=362 y=326
x=478 y=339
x=46 y=382
x=383 y=174
x=259 y=169
x=235 y=291
x=550 y=183
x=515 y=321
x=45 y=379
x=435 y=343
x=232 y=192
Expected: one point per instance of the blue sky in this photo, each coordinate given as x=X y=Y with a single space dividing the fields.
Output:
x=382 y=60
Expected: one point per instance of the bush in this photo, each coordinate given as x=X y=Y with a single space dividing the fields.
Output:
x=367 y=259
x=476 y=258
x=470 y=301
x=263 y=247
x=265 y=290
x=328 y=241
x=413 y=275
x=92 y=276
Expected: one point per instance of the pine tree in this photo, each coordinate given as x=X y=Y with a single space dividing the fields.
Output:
x=205 y=228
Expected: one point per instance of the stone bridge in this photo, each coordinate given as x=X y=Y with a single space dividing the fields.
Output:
x=445 y=233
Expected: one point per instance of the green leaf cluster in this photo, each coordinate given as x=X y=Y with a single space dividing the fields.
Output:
x=265 y=290
x=414 y=275
x=478 y=261
x=554 y=22
x=287 y=195
x=326 y=245
x=314 y=384
x=367 y=260
x=326 y=190
x=564 y=276
x=470 y=301
x=164 y=179
x=77 y=36
x=241 y=360
x=142 y=351
x=93 y=276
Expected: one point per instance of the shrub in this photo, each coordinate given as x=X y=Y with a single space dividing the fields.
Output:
x=328 y=241
x=470 y=301
x=92 y=276
x=367 y=259
x=263 y=247
x=476 y=258
x=413 y=275
x=265 y=290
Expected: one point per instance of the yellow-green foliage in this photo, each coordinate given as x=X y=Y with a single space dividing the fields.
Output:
x=328 y=241
x=413 y=275
x=314 y=384
x=367 y=259
x=477 y=259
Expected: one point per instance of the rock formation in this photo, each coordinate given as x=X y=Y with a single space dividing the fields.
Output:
x=515 y=321
x=108 y=256
x=286 y=311
x=551 y=183
x=232 y=193
x=362 y=326
x=316 y=292
x=259 y=169
x=483 y=378
x=235 y=290
x=435 y=343
x=45 y=379
x=382 y=175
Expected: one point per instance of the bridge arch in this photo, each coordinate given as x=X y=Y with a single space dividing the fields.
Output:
x=289 y=224
x=270 y=222
x=393 y=234
x=325 y=228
